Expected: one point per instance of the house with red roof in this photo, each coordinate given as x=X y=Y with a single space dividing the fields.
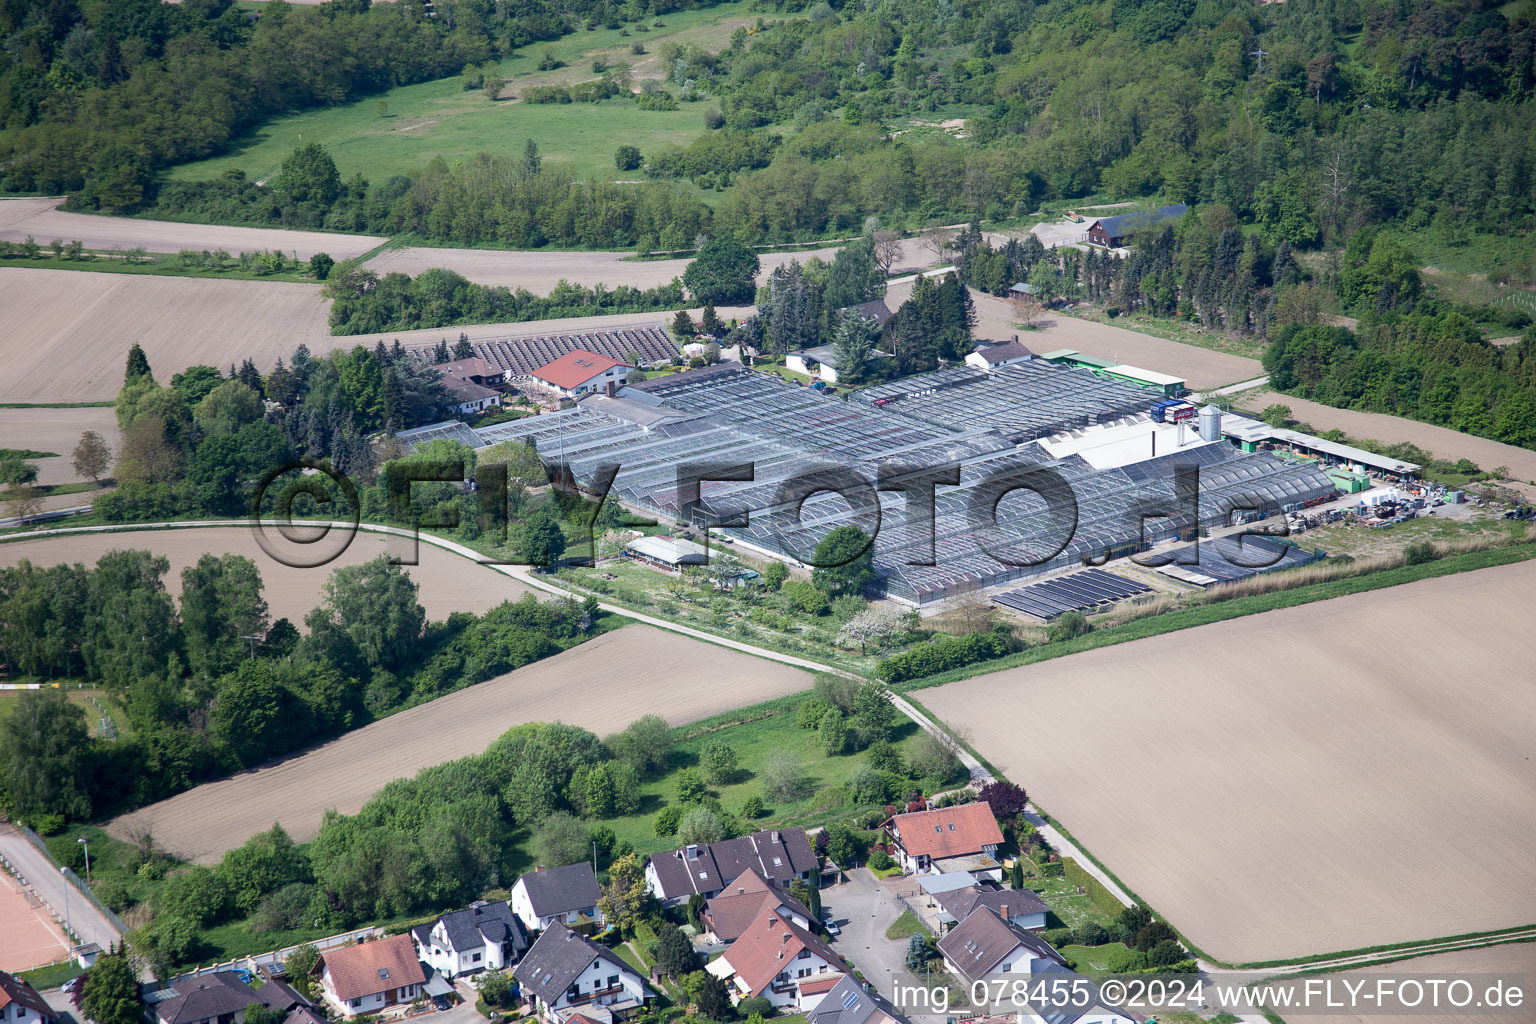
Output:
x=19 y=1001
x=733 y=909
x=964 y=837
x=580 y=372
x=370 y=976
x=780 y=961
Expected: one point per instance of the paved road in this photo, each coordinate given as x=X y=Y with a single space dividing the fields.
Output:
x=1232 y=389
x=863 y=910
x=88 y=923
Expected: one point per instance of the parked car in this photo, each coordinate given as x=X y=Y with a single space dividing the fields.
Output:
x=441 y=1002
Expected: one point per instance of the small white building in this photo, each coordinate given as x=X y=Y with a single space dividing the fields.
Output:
x=370 y=976
x=564 y=973
x=483 y=936
x=670 y=554
x=567 y=895
x=1081 y=1001
x=990 y=357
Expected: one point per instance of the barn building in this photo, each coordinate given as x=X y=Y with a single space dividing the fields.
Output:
x=1114 y=232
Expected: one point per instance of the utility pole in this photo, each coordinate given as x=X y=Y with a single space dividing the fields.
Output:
x=87 y=846
x=253 y=640
x=1261 y=54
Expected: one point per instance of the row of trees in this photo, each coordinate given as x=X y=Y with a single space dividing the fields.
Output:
x=365 y=303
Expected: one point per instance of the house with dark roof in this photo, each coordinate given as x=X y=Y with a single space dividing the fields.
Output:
x=964 y=837
x=473 y=369
x=824 y=361
x=219 y=998
x=20 y=1003
x=1080 y=1001
x=473 y=385
x=776 y=959
x=566 y=975
x=851 y=1001
x=568 y=894
x=984 y=945
x=1004 y=353
x=483 y=936
x=730 y=911
x=370 y=976
x=779 y=855
x=1114 y=232
x=1022 y=907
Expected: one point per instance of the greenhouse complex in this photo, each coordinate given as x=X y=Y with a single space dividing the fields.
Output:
x=997 y=443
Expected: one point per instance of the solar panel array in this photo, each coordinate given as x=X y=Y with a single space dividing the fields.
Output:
x=1076 y=591
x=1223 y=561
x=524 y=355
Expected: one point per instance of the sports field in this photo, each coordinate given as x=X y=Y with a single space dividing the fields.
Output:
x=31 y=937
x=448 y=583
x=621 y=676
x=1328 y=777
x=441 y=119
x=43 y=222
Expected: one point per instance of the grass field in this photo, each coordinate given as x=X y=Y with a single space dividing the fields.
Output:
x=442 y=119
x=754 y=742
x=1286 y=765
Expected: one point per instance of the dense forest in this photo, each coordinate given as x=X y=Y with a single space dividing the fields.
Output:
x=1358 y=112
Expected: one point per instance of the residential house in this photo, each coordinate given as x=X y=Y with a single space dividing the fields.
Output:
x=566 y=975
x=1081 y=1001
x=467 y=398
x=580 y=372
x=568 y=895
x=778 y=960
x=734 y=908
x=20 y=1002
x=218 y=998
x=483 y=936
x=851 y=1001
x=1006 y=353
x=474 y=370
x=370 y=976
x=985 y=946
x=780 y=856
x=280 y=997
x=1114 y=232
x=964 y=837
x=473 y=385
x=1022 y=907
x=823 y=361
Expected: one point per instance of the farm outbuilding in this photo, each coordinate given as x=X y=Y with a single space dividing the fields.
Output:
x=1114 y=232
x=668 y=553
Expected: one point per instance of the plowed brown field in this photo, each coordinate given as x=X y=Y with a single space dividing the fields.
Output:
x=602 y=685
x=1343 y=774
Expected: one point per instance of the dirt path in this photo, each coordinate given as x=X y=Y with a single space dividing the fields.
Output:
x=602 y=685
x=1265 y=782
x=41 y=219
x=540 y=271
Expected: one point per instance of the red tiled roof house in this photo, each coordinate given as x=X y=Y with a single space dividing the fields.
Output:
x=370 y=976
x=960 y=838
